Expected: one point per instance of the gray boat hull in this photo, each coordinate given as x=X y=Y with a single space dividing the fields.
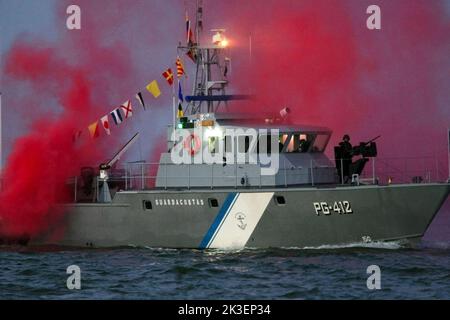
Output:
x=309 y=217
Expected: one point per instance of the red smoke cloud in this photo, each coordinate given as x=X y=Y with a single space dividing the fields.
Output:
x=42 y=161
x=319 y=59
x=77 y=75
x=67 y=85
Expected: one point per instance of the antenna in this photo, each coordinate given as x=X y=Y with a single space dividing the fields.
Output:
x=199 y=20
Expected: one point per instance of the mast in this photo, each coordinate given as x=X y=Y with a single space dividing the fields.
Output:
x=209 y=85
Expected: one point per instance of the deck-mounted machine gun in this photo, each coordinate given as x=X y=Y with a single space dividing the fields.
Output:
x=344 y=165
x=366 y=150
x=104 y=194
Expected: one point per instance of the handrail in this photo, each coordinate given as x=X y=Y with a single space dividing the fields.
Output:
x=139 y=176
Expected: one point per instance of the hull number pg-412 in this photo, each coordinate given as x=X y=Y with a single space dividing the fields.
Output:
x=341 y=207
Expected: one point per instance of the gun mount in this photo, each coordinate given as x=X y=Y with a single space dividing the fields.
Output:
x=366 y=149
x=116 y=157
x=346 y=167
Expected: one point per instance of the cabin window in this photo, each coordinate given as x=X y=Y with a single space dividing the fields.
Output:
x=304 y=142
x=147 y=205
x=213 y=203
x=228 y=144
x=320 y=143
x=282 y=140
x=296 y=142
x=213 y=144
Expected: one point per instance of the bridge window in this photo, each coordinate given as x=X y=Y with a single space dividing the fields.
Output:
x=320 y=142
x=213 y=144
x=228 y=143
x=295 y=142
x=282 y=141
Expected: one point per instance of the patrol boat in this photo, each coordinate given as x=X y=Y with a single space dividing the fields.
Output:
x=233 y=181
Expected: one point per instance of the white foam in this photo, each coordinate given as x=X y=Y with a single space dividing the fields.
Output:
x=389 y=245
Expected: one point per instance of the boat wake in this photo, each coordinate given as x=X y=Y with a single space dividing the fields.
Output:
x=386 y=245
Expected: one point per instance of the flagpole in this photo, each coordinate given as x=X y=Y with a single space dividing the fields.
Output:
x=178 y=94
x=174 y=107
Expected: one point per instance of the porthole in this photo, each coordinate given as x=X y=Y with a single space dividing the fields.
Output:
x=213 y=203
x=280 y=200
x=147 y=205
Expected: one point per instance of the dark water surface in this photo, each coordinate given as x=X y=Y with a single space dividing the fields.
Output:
x=422 y=272
x=248 y=274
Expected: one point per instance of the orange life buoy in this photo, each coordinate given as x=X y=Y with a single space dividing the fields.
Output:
x=192 y=143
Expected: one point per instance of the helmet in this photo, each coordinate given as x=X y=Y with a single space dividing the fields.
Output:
x=346 y=137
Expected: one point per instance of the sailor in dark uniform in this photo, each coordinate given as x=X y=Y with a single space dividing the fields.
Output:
x=347 y=154
x=303 y=145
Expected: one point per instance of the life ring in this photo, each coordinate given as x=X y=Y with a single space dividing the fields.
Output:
x=192 y=143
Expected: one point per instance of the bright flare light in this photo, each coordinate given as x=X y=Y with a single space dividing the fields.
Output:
x=219 y=39
x=224 y=43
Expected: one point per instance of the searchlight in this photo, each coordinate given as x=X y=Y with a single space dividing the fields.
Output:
x=219 y=38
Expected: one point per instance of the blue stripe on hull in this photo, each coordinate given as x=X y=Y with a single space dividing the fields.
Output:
x=218 y=220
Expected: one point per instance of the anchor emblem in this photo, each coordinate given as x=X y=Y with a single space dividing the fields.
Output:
x=241 y=218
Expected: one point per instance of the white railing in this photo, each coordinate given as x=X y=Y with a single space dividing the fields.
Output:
x=382 y=171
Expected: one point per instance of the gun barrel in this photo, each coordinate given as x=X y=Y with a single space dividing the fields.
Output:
x=372 y=140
